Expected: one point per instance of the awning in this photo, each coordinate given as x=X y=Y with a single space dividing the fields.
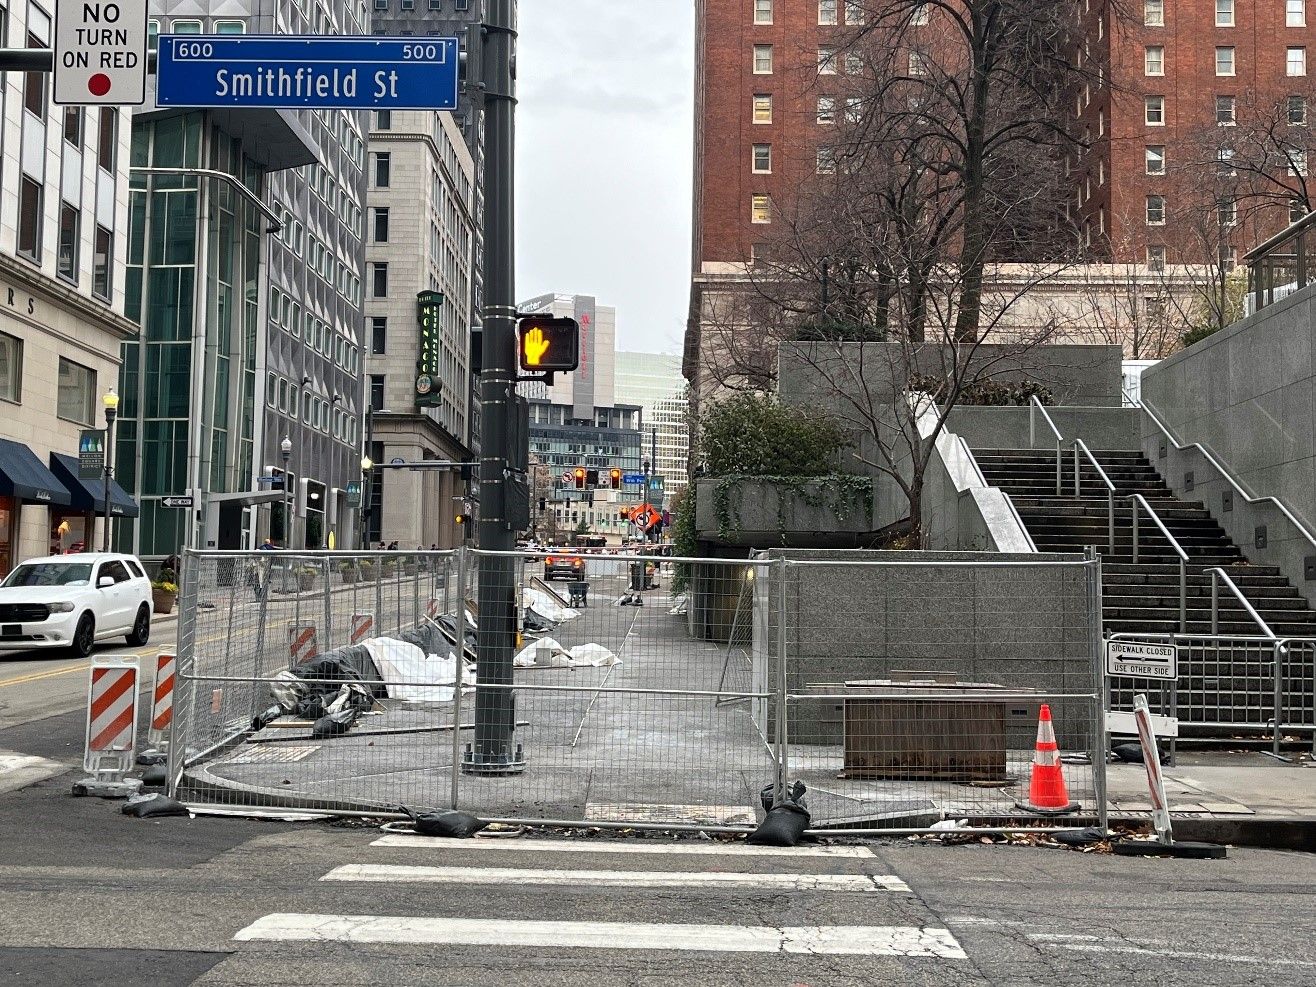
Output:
x=24 y=478
x=89 y=495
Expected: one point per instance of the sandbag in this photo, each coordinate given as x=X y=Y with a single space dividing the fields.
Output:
x=784 y=825
x=153 y=806
x=447 y=822
x=267 y=716
x=334 y=724
x=155 y=775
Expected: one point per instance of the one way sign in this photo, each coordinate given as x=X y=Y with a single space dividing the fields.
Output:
x=177 y=501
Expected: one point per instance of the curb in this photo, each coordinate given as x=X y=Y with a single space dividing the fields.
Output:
x=1279 y=833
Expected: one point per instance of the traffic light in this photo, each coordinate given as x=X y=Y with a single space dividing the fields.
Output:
x=580 y=478
x=592 y=478
x=614 y=475
x=461 y=519
x=548 y=343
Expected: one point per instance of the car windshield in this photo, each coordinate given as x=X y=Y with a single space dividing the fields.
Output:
x=49 y=574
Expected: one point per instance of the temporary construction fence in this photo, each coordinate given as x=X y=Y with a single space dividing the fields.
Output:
x=901 y=689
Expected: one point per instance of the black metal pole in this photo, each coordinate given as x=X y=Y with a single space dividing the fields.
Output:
x=494 y=750
x=110 y=414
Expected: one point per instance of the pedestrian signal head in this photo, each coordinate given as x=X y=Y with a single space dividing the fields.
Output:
x=545 y=343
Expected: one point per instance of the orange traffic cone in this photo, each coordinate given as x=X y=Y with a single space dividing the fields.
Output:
x=1046 y=790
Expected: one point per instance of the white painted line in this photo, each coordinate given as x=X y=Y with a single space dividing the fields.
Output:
x=690 y=849
x=687 y=880
x=1174 y=954
x=859 y=940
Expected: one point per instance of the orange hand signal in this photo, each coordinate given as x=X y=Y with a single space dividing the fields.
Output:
x=535 y=347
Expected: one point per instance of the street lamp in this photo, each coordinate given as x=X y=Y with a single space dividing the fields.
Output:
x=285 y=448
x=111 y=403
x=367 y=464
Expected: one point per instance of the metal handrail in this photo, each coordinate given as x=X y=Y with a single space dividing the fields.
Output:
x=1079 y=444
x=1138 y=499
x=1217 y=574
x=1035 y=405
x=1229 y=477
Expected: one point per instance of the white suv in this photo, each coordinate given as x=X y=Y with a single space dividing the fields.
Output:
x=73 y=601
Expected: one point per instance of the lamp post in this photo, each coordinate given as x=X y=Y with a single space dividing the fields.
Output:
x=285 y=448
x=366 y=466
x=111 y=403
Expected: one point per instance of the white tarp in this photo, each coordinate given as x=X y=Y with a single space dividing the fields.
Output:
x=543 y=604
x=548 y=653
x=428 y=678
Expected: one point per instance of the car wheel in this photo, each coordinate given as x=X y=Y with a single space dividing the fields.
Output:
x=84 y=638
x=141 y=633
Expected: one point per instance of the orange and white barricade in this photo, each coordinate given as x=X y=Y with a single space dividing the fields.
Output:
x=362 y=626
x=111 y=717
x=302 y=643
x=162 y=700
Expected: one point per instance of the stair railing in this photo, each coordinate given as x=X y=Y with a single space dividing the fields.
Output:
x=1081 y=446
x=1009 y=501
x=1219 y=575
x=1139 y=501
x=1229 y=477
x=1034 y=406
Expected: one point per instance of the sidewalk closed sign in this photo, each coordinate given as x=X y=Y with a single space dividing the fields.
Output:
x=1130 y=659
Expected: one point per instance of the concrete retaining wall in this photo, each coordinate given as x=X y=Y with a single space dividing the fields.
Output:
x=1112 y=428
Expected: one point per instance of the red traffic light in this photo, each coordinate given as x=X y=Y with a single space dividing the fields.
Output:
x=548 y=343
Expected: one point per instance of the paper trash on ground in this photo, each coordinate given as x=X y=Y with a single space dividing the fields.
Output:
x=399 y=662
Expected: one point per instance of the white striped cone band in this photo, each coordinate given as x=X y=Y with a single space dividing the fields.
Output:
x=162 y=708
x=302 y=644
x=1047 y=753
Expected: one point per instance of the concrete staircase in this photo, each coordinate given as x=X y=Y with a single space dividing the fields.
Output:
x=1143 y=596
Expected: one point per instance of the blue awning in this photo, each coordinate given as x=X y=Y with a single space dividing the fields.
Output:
x=24 y=478
x=89 y=495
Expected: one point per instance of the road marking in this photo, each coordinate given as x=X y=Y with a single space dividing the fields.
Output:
x=48 y=674
x=1087 y=945
x=838 y=940
x=689 y=880
x=623 y=846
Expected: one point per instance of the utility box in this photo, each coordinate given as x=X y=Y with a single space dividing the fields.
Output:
x=902 y=729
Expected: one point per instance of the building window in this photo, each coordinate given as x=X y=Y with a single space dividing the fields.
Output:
x=1297 y=210
x=1225 y=161
x=1156 y=257
x=1224 y=111
x=1297 y=163
x=185 y=27
x=1154 y=111
x=1295 y=63
x=1153 y=308
x=73 y=125
x=1153 y=60
x=1228 y=212
x=11 y=368
x=918 y=65
x=762 y=109
x=34 y=83
x=921 y=15
x=826 y=109
x=381 y=225
x=107 y=138
x=383 y=120
x=376 y=392
x=1153 y=13
x=854 y=13
x=66 y=263
x=827 y=11
x=763 y=59
x=762 y=11
x=1156 y=159
x=29 y=219
x=760 y=209
x=379 y=280
x=383 y=169
x=77 y=391
x=1228 y=257
x=1224 y=60
x=826 y=60
x=230 y=27
x=762 y=159
x=378 y=335
x=1295 y=13
x=1297 y=111
x=826 y=161
x=102 y=264
x=1155 y=210
x=1224 y=13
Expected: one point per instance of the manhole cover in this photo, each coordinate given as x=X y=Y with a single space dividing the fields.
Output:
x=707 y=815
x=272 y=754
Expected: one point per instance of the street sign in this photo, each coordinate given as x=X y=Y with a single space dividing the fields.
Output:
x=177 y=501
x=354 y=493
x=567 y=477
x=307 y=72
x=268 y=479
x=397 y=461
x=1131 y=659
x=91 y=454
x=100 y=52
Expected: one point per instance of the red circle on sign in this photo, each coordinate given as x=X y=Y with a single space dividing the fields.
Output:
x=99 y=84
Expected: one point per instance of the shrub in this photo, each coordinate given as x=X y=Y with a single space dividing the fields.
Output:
x=749 y=435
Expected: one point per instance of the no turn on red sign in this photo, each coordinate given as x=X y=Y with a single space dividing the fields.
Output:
x=100 y=52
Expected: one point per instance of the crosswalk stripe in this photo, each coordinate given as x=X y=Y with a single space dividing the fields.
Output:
x=688 y=880
x=618 y=846
x=841 y=940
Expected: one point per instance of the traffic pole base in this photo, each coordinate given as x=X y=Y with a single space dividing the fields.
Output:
x=492 y=764
x=1182 y=849
x=101 y=788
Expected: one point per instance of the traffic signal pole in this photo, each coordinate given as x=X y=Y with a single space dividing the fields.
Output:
x=494 y=749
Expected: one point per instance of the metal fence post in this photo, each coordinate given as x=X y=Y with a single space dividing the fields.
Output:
x=1102 y=691
x=1276 y=650
x=1133 y=506
x=782 y=732
x=328 y=638
x=378 y=570
x=459 y=614
x=1110 y=519
x=181 y=725
x=1078 y=483
x=1215 y=604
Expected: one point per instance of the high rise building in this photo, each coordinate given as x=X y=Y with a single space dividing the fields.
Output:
x=654 y=382
x=280 y=357
x=421 y=235
x=63 y=242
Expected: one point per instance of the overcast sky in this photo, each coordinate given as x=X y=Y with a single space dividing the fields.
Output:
x=604 y=136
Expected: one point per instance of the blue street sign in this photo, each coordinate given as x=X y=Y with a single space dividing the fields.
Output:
x=632 y=478
x=294 y=72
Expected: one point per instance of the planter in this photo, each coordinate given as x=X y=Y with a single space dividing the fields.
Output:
x=306 y=581
x=162 y=601
x=349 y=576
